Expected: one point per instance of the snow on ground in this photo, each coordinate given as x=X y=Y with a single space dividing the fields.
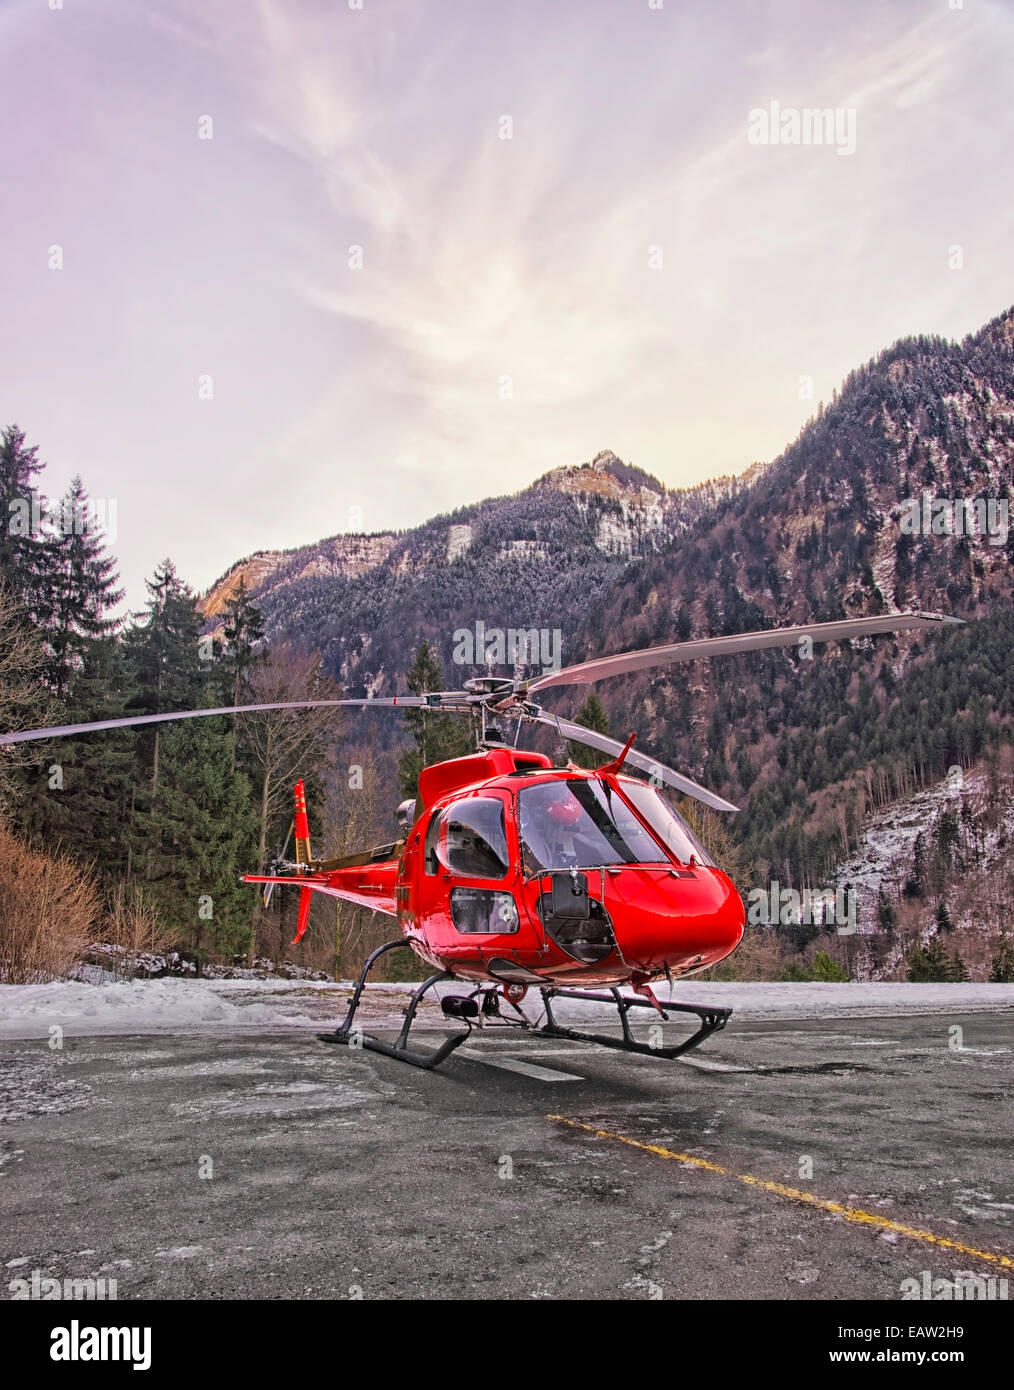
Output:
x=34 y=1087
x=183 y=1006
x=154 y=1006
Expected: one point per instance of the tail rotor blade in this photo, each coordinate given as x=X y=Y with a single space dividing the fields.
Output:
x=269 y=888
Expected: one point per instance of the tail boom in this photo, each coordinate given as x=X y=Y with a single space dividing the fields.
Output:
x=366 y=885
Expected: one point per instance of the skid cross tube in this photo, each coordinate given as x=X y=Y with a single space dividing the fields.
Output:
x=355 y=1038
x=712 y=1020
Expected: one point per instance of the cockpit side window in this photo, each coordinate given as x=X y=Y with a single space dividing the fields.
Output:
x=430 y=860
x=469 y=839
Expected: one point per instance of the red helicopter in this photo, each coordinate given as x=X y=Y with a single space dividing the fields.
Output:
x=514 y=873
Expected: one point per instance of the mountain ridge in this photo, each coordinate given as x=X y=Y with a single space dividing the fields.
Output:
x=908 y=396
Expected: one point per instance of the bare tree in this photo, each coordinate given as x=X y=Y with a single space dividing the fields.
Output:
x=49 y=910
x=358 y=816
x=24 y=703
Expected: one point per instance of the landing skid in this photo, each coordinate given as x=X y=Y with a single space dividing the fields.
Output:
x=467 y=1009
x=712 y=1021
x=356 y=1038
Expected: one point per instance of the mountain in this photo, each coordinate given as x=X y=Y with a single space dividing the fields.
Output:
x=819 y=534
x=521 y=561
x=340 y=556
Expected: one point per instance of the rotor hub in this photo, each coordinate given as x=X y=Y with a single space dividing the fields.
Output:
x=496 y=686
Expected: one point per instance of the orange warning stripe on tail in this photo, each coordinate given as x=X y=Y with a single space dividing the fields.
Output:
x=303 y=852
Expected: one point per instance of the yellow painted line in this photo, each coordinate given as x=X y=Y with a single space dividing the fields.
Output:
x=853 y=1214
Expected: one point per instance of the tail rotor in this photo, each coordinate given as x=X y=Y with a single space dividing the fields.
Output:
x=304 y=858
x=269 y=888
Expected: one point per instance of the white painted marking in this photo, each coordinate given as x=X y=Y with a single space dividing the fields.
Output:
x=523 y=1068
x=703 y=1065
x=536 y=1050
x=581 y=1050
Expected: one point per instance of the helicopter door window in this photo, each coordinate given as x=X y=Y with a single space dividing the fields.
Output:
x=481 y=910
x=469 y=839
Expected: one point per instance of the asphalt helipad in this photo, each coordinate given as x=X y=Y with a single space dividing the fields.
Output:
x=785 y=1160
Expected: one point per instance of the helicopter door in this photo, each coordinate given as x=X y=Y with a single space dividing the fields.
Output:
x=468 y=840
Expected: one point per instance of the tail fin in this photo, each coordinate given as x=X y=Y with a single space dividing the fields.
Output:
x=304 y=854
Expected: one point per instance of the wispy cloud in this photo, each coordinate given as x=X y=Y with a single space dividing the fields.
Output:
x=626 y=271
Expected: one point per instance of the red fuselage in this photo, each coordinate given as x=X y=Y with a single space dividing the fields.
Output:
x=658 y=920
x=523 y=873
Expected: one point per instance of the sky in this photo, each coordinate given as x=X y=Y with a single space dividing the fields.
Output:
x=272 y=270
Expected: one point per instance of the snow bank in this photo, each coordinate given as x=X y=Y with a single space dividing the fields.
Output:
x=180 y=1005
x=153 y=1006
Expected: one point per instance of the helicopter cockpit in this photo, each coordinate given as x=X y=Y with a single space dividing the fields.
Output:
x=581 y=823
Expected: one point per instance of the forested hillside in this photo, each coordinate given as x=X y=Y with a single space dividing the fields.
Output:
x=808 y=747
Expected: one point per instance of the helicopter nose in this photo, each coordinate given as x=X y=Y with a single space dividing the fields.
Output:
x=683 y=919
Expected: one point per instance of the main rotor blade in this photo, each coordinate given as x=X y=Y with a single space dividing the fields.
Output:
x=702 y=647
x=66 y=730
x=604 y=744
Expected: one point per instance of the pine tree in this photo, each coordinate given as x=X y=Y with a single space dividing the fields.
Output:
x=592 y=715
x=958 y=969
x=827 y=969
x=202 y=833
x=915 y=884
x=947 y=839
x=244 y=630
x=928 y=964
x=27 y=548
x=943 y=918
x=167 y=674
x=86 y=805
x=24 y=704
x=162 y=646
x=437 y=736
x=886 y=915
x=77 y=794
x=1002 y=965
x=85 y=589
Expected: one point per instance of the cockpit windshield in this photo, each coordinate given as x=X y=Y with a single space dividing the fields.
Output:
x=579 y=823
x=666 y=822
